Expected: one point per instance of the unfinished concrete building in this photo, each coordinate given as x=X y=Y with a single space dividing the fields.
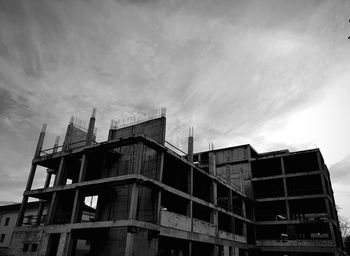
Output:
x=152 y=199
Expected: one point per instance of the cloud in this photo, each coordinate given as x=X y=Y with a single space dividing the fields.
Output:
x=340 y=171
x=225 y=67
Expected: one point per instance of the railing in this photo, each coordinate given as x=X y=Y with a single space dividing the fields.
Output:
x=309 y=216
x=175 y=149
x=60 y=148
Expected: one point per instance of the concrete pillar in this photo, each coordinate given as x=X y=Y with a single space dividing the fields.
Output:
x=90 y=132
x=190 y=248
x=40 y=141
x=153 y=247
x=52 y=208
x=215 y=251
x=130 y=239
x=60 y=173
x=138 y=158
x=226 y=250
x=42 y=202
x=212 y=163
x=31 y=176
x=160 y=177
x=190 y=146
x=285 y=189
x=21 y=211
x=134 y=201
x=83 y=168
x=77 y=203
x=235 y=251
x=213 y=192
x=65 y=245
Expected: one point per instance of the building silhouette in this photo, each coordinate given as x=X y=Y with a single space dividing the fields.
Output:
x=153 y=199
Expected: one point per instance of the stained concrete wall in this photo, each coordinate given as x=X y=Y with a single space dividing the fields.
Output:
x=147 y=208
x=114 y=203
x=20 y=238
x=113 y=244
x=231 y=155
x=203 y=227
x=74 y=135
x=174 y=220
x=155 y=129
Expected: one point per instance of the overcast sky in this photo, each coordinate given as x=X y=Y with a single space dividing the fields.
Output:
x=274 y=74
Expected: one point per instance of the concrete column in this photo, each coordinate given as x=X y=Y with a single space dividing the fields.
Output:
x=52 y=208
x=285 y=189
x=153 y=247
x=65 y=245
x=31 y=176
x=160 y=177
x=138 y=158
x=90 y=132
x=40 y=141
x=212 y=163
x=190 y=146
x=226 y=250
x=215 y=251
x=21 y=211
x=130 y=239
x=83 y=168
x=134 y=201
x=42 y=202
x=77 y=203
x=60 y=173
x=190 y=248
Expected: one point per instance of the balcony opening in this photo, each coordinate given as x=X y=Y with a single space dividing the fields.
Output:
x=63 y=211
x=319 y=231
x=249 y=209
x=268 y=188
x=150 y=163
x=238 y=227
x=175 y=173
x=304 y=185
x=173 y=246
x=271 y=211
x=202 y=186
x=270 y=232
x=201 y=212
x=303 y=162
x=174 y=203
x=202 y=249
x=223 y=197
x=266 y=167
x=237 y=203
x=225 y=222
x=308 y=209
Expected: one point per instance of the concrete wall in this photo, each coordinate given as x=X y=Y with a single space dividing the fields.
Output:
x=174 y=220
x=20 y=238
x=203 y=227
x=114 y=203
x=155 y=129
x=8 y=230
x=231 y=155
x=291 y=243
x=114 y=244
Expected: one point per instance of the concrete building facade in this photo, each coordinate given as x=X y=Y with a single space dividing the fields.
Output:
x=152 y=199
